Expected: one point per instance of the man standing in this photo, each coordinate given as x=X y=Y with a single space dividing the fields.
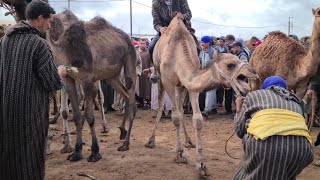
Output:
x=163 y=11
x=206 y=59
x=237 y=49
x=222 y=48
x=228 y=93
x=144 y=82
x=27 y=76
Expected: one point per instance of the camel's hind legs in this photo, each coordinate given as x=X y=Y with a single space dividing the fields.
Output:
x=198 y=124
x=151 y=142
x=104 y=128
x=180 y=99
x=129 y=113
x=177 y=119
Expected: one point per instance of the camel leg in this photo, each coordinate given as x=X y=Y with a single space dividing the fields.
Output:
x=176 y=119
x=89 y=95
x=101 y=101
x=198 y=124
x=151 y=142
x=73 y=96
x=180 y=100
x=130 y=108
x=64 y=110
x=55 y=107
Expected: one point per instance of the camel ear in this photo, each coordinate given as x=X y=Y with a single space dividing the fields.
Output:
x=216 y=56
x=313 y=11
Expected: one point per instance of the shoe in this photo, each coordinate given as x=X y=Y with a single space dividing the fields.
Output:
x=214 y=111
x=226 y=113
x=205 y=114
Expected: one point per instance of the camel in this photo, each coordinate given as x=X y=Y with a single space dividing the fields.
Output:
x=178 y=67
x=16 y=8
x=282 y=56
x=98 y=50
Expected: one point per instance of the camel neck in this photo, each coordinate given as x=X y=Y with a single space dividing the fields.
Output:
x=204 y=79
x=315 y=43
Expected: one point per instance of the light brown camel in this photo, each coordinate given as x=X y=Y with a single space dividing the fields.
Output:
x=178 y=67
x=99 y=51
x=283 y=56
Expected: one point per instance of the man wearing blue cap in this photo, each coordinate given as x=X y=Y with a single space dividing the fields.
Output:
x=276 y=140
x=206 y=59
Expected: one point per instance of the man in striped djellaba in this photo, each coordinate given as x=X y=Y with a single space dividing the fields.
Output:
x=27 y=77
x=276 y=140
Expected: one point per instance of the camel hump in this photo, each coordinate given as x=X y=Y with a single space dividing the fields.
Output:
x=76 y=47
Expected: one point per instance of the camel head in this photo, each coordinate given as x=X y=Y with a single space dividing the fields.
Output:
x=234 y=73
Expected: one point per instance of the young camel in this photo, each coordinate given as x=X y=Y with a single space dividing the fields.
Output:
x=178 y=67
x=89 y=46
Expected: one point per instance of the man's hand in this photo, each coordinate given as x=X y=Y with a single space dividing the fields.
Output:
x=163 y=30
x=179 y=15
x=62 y=71
x=239 y=102
x=147 y=72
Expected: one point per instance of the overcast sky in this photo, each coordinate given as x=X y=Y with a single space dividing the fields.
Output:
x=266 y=15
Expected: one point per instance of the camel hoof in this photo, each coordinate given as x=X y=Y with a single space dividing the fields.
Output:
x=74 y=157
x=123 y=133
x=181 y=160
x=189 y=145
x=53 y=121
x=104 y=130
x=94 y=157
x=203 y=171
x=66 y=149
x=150 y=144
x=123 y=148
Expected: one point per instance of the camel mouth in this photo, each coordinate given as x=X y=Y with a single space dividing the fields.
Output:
x=243 y=85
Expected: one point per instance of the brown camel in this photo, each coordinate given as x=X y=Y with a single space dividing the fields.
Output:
x=16 y=8
x=178 y=67
x=99 y=51
x=283 y=56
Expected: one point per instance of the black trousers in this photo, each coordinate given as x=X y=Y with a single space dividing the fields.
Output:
x=228 y=96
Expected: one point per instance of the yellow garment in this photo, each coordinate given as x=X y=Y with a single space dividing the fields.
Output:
x=281 y=122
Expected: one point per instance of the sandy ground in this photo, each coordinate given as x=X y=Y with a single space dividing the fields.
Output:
x=158 y=163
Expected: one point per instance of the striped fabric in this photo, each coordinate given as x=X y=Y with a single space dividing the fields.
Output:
x=27 y=76
x=277 y=157
x=162 y=13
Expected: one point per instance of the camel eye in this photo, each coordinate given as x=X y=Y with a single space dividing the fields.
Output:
x=231 y=65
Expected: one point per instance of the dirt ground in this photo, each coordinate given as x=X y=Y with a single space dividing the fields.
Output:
x=158 y=163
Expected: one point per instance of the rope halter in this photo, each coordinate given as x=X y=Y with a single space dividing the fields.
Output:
x=230 y=79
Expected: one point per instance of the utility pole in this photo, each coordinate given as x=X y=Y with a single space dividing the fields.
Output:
x=69 y=5
x=289 y=25
x=131 y=18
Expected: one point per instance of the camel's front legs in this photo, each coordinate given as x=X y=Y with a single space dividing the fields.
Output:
x=180 y=99
x=89 y=94
x=71 y=90
x=101 y=101
x=66 y=141
x=151 y=142
x=176 y=119
x=198 y=124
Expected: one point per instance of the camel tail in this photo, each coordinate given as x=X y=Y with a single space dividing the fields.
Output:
x=130 y=69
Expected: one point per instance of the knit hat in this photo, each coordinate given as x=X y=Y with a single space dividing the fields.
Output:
x=206 y=39
x=274 y=81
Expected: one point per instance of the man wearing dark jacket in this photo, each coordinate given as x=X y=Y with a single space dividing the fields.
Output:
x=163 y=11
